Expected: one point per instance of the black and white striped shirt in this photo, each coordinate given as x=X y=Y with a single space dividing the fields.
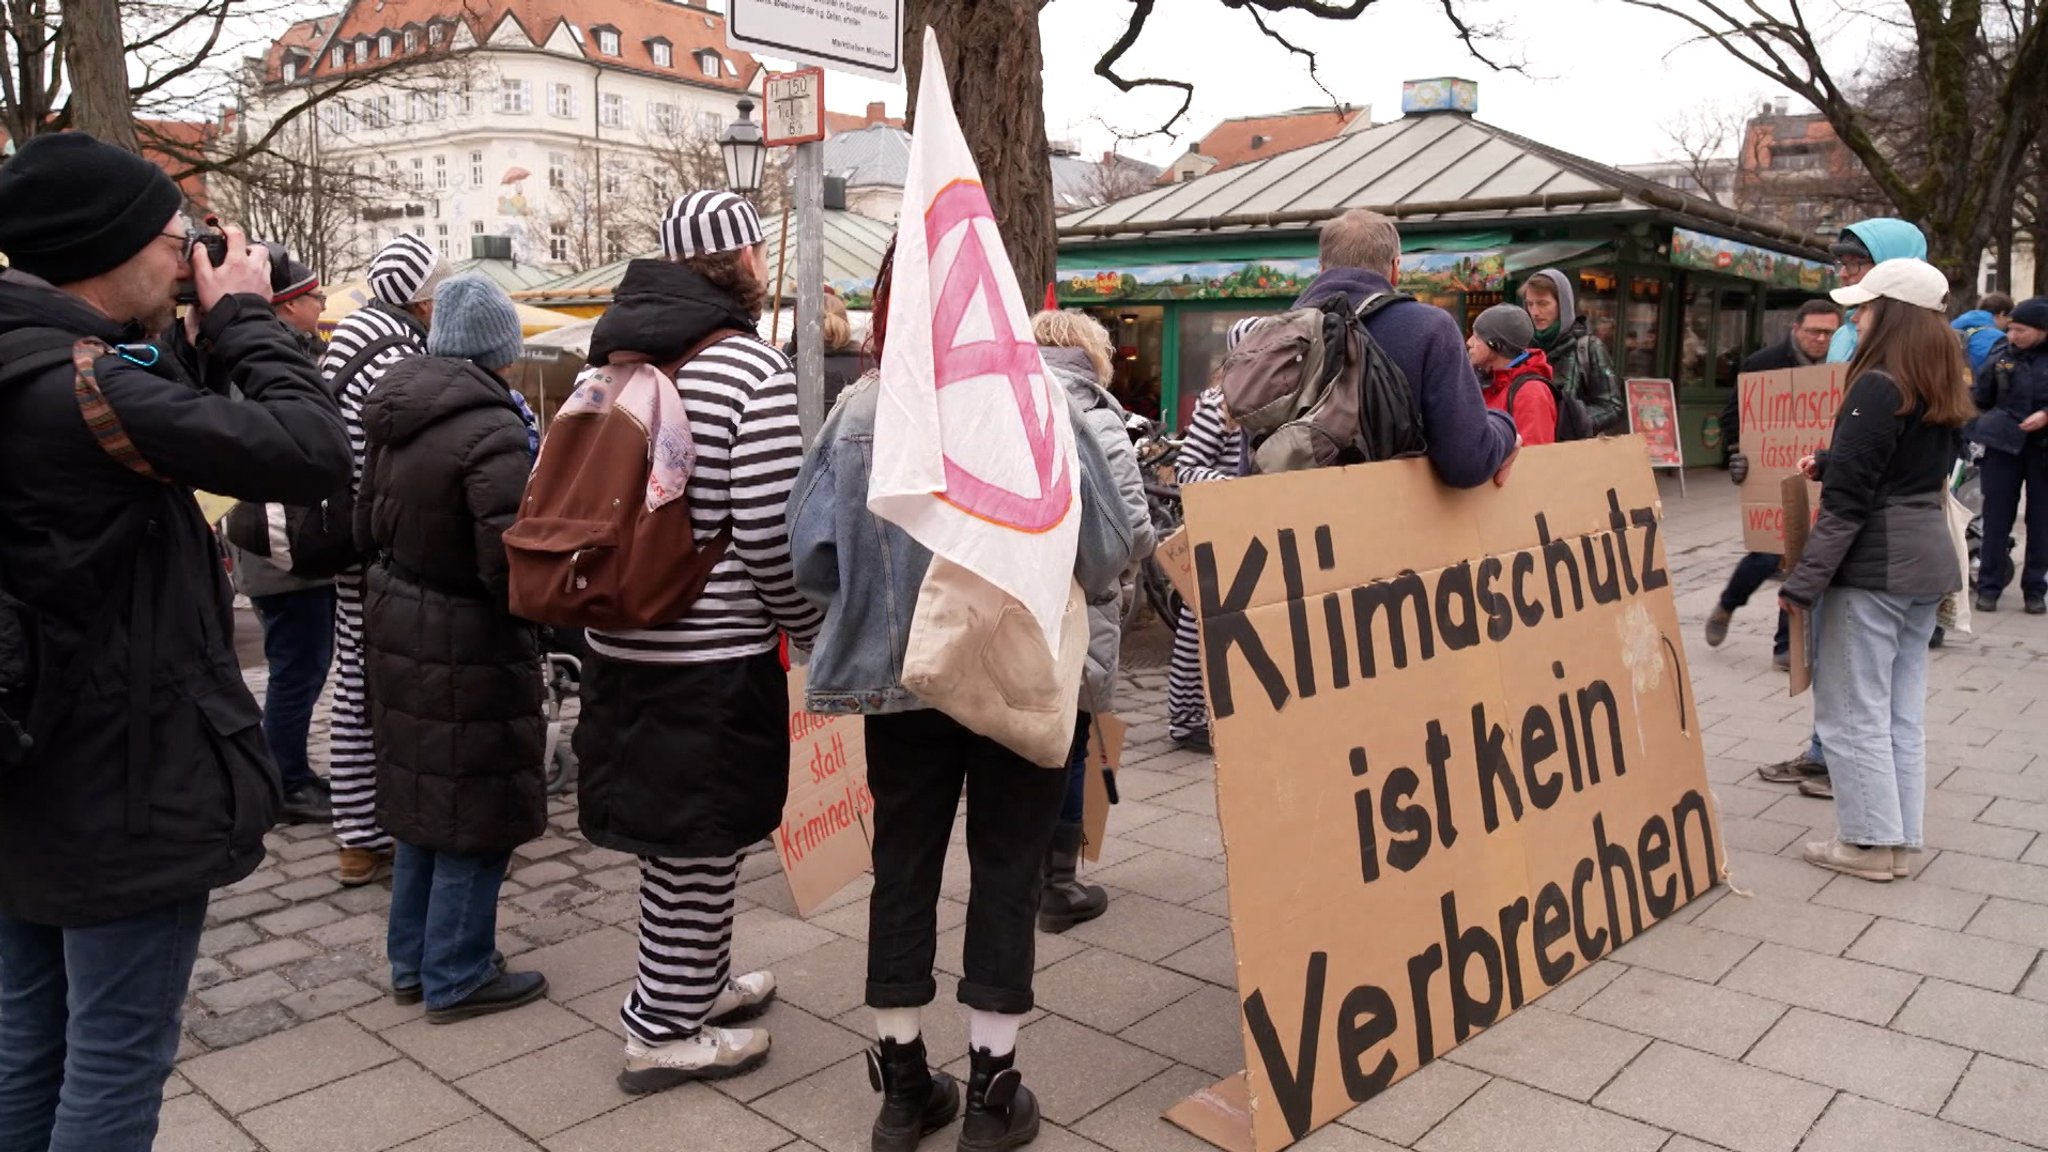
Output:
x=1211 y=451
x=362 y=328
x=741 y=397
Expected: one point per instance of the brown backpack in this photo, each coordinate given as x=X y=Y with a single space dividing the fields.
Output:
x=604 y=538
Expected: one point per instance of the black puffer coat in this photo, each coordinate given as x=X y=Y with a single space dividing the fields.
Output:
x=455 y=682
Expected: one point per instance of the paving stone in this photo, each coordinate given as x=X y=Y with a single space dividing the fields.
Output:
x=1182 y=832
x=328 y=967
x=454 y=1052
x=1075 y=1070
x=1108 y=991
x=296 y=850
x=339 y=996
x=228 y=938
x=321 y=865
x=1916 y=903
x=1201 y=1030
x=1147 y=929
x=309 y=888
x=190 y=1124
x=1684 y=1012
x=1857 y=1125
x=2013 y=921
x=595 y=858
x=826 y=981
x=1869 y=1061
x=544 y=873
x=233 y=908
x=554 y=1089
x=1162 y=875
x=1047 y=950
x=255 y=881
x=242 y=1026
x=584 y=963
x=1737 y=1107
x=1992 y=964
x=1504 y=1114
x=1686 y=950
x=1582 y=985
x=548 y=846
x=368 y=898
x=299 y=918
x=1560 y=1054
x=286 y=1064
x=1824 y=983
x=235 y=995
x=1416 y=1103
x=377 y=1109
x=623 y=879
x=1783 y=921
x=2008 y=813
x=383 y=1014
x=1752 y=835
x=1990 y=877
x=476 y=1134
x=710 y=1119
x=804 y=1044
x=1135 y=1121
x=1213 y=960
x=2002 y=1097
x=553 y=929
x=762 y=938
x=1973 y=1018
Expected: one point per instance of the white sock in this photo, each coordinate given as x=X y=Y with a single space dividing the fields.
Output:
x=897 y=1025
x=993 y=1032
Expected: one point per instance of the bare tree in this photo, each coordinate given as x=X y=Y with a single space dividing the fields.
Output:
x=1116 y=177
x=294 y=194
x=1707 y=139
x=1943 y=124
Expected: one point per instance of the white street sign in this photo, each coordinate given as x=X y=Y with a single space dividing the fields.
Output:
x=850 y=35
x=795 y=108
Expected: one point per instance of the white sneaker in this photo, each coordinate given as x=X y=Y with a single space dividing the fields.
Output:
x=744 y=998
x=712 y=1054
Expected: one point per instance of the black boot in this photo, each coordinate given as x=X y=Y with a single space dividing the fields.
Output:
x=916 y=1101
x=1001 y=1112
x=1066 y=901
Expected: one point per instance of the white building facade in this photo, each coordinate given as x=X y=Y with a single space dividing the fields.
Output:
x=536 y=121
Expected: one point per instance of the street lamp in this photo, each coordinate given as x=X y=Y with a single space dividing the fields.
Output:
x=743 y=151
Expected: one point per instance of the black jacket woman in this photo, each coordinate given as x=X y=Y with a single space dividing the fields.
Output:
x=1879 y=562
x=455 y=683
x=2012 y=392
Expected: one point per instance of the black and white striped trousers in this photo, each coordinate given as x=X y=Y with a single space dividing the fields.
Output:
x=352 y=754
x=1187 y=709
x=686 y=906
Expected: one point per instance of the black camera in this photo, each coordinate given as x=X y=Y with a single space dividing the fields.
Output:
x=212 y=241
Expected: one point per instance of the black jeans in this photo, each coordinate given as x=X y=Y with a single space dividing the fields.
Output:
x=298 y=644
x=917 y=763
x=2005 y=478
x=1749 y=575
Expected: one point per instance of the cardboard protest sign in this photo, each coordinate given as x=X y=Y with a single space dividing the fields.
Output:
x=1785 y=416
x=1105 y=760
x=1176 y=561
x=1799 y=621
x=1653 y=415
x=1458 y=759
x=825 y=840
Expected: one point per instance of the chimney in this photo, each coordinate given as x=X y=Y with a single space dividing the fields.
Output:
x=1783 y=106
x=878 y=112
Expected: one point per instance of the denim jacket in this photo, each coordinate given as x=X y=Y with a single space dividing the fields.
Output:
x=864 y=572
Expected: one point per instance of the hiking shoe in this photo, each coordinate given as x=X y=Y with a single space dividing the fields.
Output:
x=744 y=998
x=1873 y=864
x=309 y=803
x=1798 y=768
x=1001 y=1112
x=2037 y=606
x=409 y=994
x=360 y=866
x=1986 y=603
x=1197 y=741
x=1818 y=787
x=1782 y=661
x=1717 y=626
x=916 y=1100
x=504 y=992
x=712 y=1054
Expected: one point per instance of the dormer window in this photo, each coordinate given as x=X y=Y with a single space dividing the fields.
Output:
x=291 y=69
x=363 y=50
x=384 y=46
x=412 y=40
x=339 y=56
x=707 y=63
x=607 y=41
x=664 y=56
x=434 y=34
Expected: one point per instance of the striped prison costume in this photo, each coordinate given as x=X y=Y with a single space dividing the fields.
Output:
x=352 y=759
x=741 y=398
x=1210 y=452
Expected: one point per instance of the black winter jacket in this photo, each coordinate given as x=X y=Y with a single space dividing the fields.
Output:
x=455 y=682
x=1883 y=523
x=2011 y=386
x=153 y=783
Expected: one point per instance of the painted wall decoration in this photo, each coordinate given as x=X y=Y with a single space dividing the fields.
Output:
x=1283 y=278
x=512 y=192
x=1691 y=249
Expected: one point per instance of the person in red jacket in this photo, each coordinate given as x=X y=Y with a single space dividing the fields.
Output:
x=1502 y=350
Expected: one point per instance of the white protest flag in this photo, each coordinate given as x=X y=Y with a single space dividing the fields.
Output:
x=974 y=453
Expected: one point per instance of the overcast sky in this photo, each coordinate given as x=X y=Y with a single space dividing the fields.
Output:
x=1603 y=78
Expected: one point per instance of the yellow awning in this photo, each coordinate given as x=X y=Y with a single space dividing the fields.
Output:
x=345 y=298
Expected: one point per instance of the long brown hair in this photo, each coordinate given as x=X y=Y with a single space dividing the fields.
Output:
x=878 y=315
x=1920 y=352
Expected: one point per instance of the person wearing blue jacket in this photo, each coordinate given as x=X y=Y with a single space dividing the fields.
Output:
x=1863 y=246
x=2012 y=393
x=1982 y=327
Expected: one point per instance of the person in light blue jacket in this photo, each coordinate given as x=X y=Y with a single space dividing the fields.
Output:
x=1982 y=327
x=1863 y=246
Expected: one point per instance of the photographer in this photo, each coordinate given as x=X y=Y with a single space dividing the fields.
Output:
x=144 y=783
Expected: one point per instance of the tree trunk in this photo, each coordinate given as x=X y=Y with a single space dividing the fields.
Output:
x=97 y=63
x=995 y=65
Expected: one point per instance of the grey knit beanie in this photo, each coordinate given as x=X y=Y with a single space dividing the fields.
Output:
x=474 y=320
x=1506 y=329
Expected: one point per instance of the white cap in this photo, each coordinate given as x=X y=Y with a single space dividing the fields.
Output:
x=1914 y=282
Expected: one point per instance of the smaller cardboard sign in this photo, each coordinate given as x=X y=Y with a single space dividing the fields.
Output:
x=1105 y=760
x=1653 y=415
x=1175 y=555
x=1786 y=416
x=825 y=840
x=1799 y=621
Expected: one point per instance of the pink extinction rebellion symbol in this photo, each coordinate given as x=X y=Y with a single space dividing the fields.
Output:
x=961 y=205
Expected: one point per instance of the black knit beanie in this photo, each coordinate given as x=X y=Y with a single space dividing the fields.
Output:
x=72 y=207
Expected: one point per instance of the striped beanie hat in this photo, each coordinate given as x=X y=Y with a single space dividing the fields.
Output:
x=406 y=271
x=707 y=223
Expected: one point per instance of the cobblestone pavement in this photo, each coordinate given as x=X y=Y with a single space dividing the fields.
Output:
x=1820 y=1014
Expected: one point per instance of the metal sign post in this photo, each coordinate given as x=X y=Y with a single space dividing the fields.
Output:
x=795 y=115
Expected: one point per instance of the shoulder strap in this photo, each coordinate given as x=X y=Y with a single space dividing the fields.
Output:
x=1379 y=300
x=27 y=352
x=99 y=415
x=366 y=355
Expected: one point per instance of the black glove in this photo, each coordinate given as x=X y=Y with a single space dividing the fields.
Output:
x=1738 y=468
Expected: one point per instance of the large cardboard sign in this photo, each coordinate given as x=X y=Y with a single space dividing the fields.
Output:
x=1785 y=416
x=825 y=840
x=1653 y=415
x=1458 y=759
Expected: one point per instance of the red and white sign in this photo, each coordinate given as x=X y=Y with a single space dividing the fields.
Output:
x=794 y=108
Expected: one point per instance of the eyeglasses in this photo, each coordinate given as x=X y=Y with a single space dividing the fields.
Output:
x=187 y=238
x=1850 y=264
